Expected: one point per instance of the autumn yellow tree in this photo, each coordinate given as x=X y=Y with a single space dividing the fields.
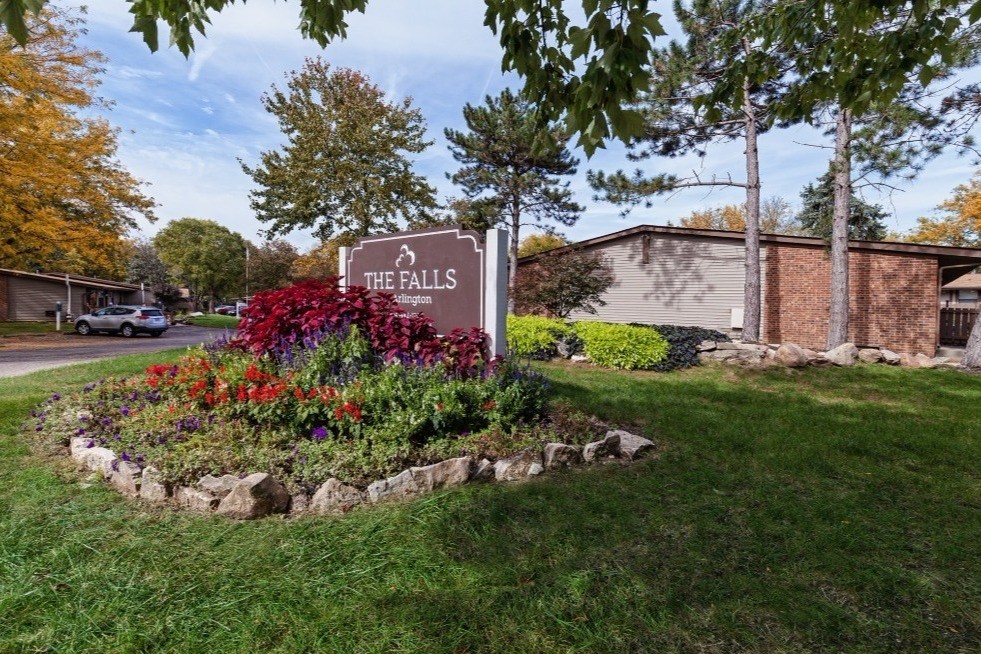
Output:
x=960 y=222
x=535 y=243
x=322 y=261
x=65 y=200
x=776 y=217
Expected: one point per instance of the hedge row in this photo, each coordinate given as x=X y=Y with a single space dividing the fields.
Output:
x=631 y=347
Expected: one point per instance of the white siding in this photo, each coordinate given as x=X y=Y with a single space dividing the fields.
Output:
x=691 y=281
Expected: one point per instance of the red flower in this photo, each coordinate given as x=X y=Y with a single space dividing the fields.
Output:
x=254 y=374
x=487 y=406
x=197 y=387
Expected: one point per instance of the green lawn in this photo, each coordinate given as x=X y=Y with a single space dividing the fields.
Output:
x=792 y=511
x=17 y=328
x=214 y=320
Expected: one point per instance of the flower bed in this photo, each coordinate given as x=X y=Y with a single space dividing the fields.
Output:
x=322 y=386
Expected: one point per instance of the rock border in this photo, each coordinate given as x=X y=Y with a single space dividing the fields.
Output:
x=258 y=495
x=792 y=355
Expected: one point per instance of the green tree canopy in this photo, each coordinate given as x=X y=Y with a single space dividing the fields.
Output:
x=584 y=63
x=345 y=166
x=270 y=264
x=203 y=255
x=146 y=267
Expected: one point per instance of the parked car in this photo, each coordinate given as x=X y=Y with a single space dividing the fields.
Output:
x=230 y=309
x=127 y=320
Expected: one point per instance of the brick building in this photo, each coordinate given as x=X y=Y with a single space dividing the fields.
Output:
x=678 y=276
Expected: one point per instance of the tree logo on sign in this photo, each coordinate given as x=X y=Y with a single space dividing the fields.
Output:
x=405 y=255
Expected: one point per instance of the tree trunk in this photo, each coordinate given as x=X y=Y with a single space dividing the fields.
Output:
x=752 y=287
x=514 y=227
x=838 y=316
x=972 y=353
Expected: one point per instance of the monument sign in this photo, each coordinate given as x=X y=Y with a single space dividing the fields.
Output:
x=446 y=273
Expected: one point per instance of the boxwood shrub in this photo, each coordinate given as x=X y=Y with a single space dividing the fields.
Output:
x=626 y=347
x=535 y=337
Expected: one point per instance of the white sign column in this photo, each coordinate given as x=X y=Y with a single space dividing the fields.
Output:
x=496 y=290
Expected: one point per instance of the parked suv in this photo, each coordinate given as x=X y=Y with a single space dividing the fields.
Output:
x=123 y=319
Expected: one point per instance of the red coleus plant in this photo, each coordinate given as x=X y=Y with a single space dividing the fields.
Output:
x=279 y=318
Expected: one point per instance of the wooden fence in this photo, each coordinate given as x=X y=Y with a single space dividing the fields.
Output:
x=956 y=324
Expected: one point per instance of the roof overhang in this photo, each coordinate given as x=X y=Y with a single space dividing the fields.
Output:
x=945 y=255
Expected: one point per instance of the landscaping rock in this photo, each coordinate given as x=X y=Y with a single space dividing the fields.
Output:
x=869 y=355
x=746 y=347
x=93 y=458
x=220 y=487
x=632 y=446
x=400 y=486
x=520 y=466
x=705 y=346
x=560 y=455
x=890 y=357
x=923 y=361
x=126 y=477
x=256 y=496
x=445 y=474
x=579 y=358
x=334 y=497
x=152 y=487
x=791 y=355
x=844 y=355
x=194 y=499
x=299 y=503
x=484 y=471
x=906 y=360
x=608 y=447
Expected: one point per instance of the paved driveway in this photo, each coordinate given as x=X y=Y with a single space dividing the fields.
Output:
x=21 y=355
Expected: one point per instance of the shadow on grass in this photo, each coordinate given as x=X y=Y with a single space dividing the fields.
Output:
x=832 y=510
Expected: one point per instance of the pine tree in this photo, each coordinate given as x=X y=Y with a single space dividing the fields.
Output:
x=675 y=124
x=511 y=170
x=865 y=221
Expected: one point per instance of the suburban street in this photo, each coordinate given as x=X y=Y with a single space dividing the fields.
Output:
x=26 y=354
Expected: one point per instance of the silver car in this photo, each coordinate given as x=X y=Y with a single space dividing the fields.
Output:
x=127 y=320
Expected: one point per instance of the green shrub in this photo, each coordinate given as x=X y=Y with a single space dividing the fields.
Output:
x=622 y=346
x=534 y=336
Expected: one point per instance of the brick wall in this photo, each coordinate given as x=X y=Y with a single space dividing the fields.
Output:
x=4 y=302
x=893 y=298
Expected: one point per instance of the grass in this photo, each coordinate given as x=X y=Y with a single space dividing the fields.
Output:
x=791 y=511
x=18 y=328
x=214 y=320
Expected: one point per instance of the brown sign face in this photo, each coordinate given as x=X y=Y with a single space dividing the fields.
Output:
x=438 y=272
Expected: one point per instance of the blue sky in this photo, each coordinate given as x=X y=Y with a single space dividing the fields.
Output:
x=186 y=122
